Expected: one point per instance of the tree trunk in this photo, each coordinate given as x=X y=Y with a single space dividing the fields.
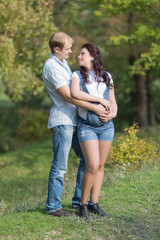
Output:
x=141 y=99
x=151 y=110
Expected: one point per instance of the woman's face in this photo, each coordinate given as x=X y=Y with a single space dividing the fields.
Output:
x=85 y=58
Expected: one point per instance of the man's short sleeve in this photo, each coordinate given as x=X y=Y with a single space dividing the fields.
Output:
x=56 y=78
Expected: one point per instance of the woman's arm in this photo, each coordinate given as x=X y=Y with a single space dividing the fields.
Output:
x=114 y=107
x=81 y=95
x=66 y=94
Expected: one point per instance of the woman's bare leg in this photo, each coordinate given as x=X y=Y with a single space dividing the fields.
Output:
x=104 y=148
x=90 y=150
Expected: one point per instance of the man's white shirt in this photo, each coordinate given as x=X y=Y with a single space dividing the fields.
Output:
x=57 y=74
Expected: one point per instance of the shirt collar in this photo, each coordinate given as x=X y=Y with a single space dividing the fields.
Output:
x=64 y=63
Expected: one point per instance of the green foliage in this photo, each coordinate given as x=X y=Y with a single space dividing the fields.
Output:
x=25 y=29
x=32 y=125
x=8 y=124
x=6 y=139
x=143 y=34
x=20 y=126
x=130 y=151
x=147 y=61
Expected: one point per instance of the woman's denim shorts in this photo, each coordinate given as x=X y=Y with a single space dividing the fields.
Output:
x=87 y=132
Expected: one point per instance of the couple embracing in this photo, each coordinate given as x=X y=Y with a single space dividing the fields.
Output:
x=81 y=118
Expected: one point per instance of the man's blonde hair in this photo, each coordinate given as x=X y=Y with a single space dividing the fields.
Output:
x=58 y=39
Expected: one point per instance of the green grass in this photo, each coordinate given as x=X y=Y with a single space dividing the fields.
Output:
x=132 y=202
x=151 y=133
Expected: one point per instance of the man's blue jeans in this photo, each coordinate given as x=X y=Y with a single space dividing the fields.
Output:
x=64 y=136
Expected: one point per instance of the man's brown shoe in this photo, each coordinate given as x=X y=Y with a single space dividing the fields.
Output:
x=60 y=213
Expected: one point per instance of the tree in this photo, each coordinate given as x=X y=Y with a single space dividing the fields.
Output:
x=141 y=36
x=26 y=26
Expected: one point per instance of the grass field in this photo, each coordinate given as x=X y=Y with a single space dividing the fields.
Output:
x=132 y=202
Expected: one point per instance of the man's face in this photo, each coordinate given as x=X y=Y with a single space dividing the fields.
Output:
x=64 y=53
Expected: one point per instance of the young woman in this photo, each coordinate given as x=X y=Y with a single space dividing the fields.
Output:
x=95 y=133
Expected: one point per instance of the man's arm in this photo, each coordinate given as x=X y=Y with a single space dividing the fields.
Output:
x=66 y=94
x=78 y=94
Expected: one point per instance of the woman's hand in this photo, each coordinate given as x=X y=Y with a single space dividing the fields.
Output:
x=106 y=118
x=100 y=110
x=106 y=104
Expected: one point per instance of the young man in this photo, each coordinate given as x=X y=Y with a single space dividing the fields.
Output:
x=62 y=120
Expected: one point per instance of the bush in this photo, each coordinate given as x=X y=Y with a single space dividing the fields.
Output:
x=32 y=125
x=131 y=151
x=6 y=139
x=8 y=124
x=20 y=126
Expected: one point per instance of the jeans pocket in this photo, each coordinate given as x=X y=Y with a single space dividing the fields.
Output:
x=109 y=124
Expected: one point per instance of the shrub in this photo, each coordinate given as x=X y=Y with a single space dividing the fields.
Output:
x=32 y=125
x=6 y=139
x=131 y=151
x=18 y=126
x=8 y=123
